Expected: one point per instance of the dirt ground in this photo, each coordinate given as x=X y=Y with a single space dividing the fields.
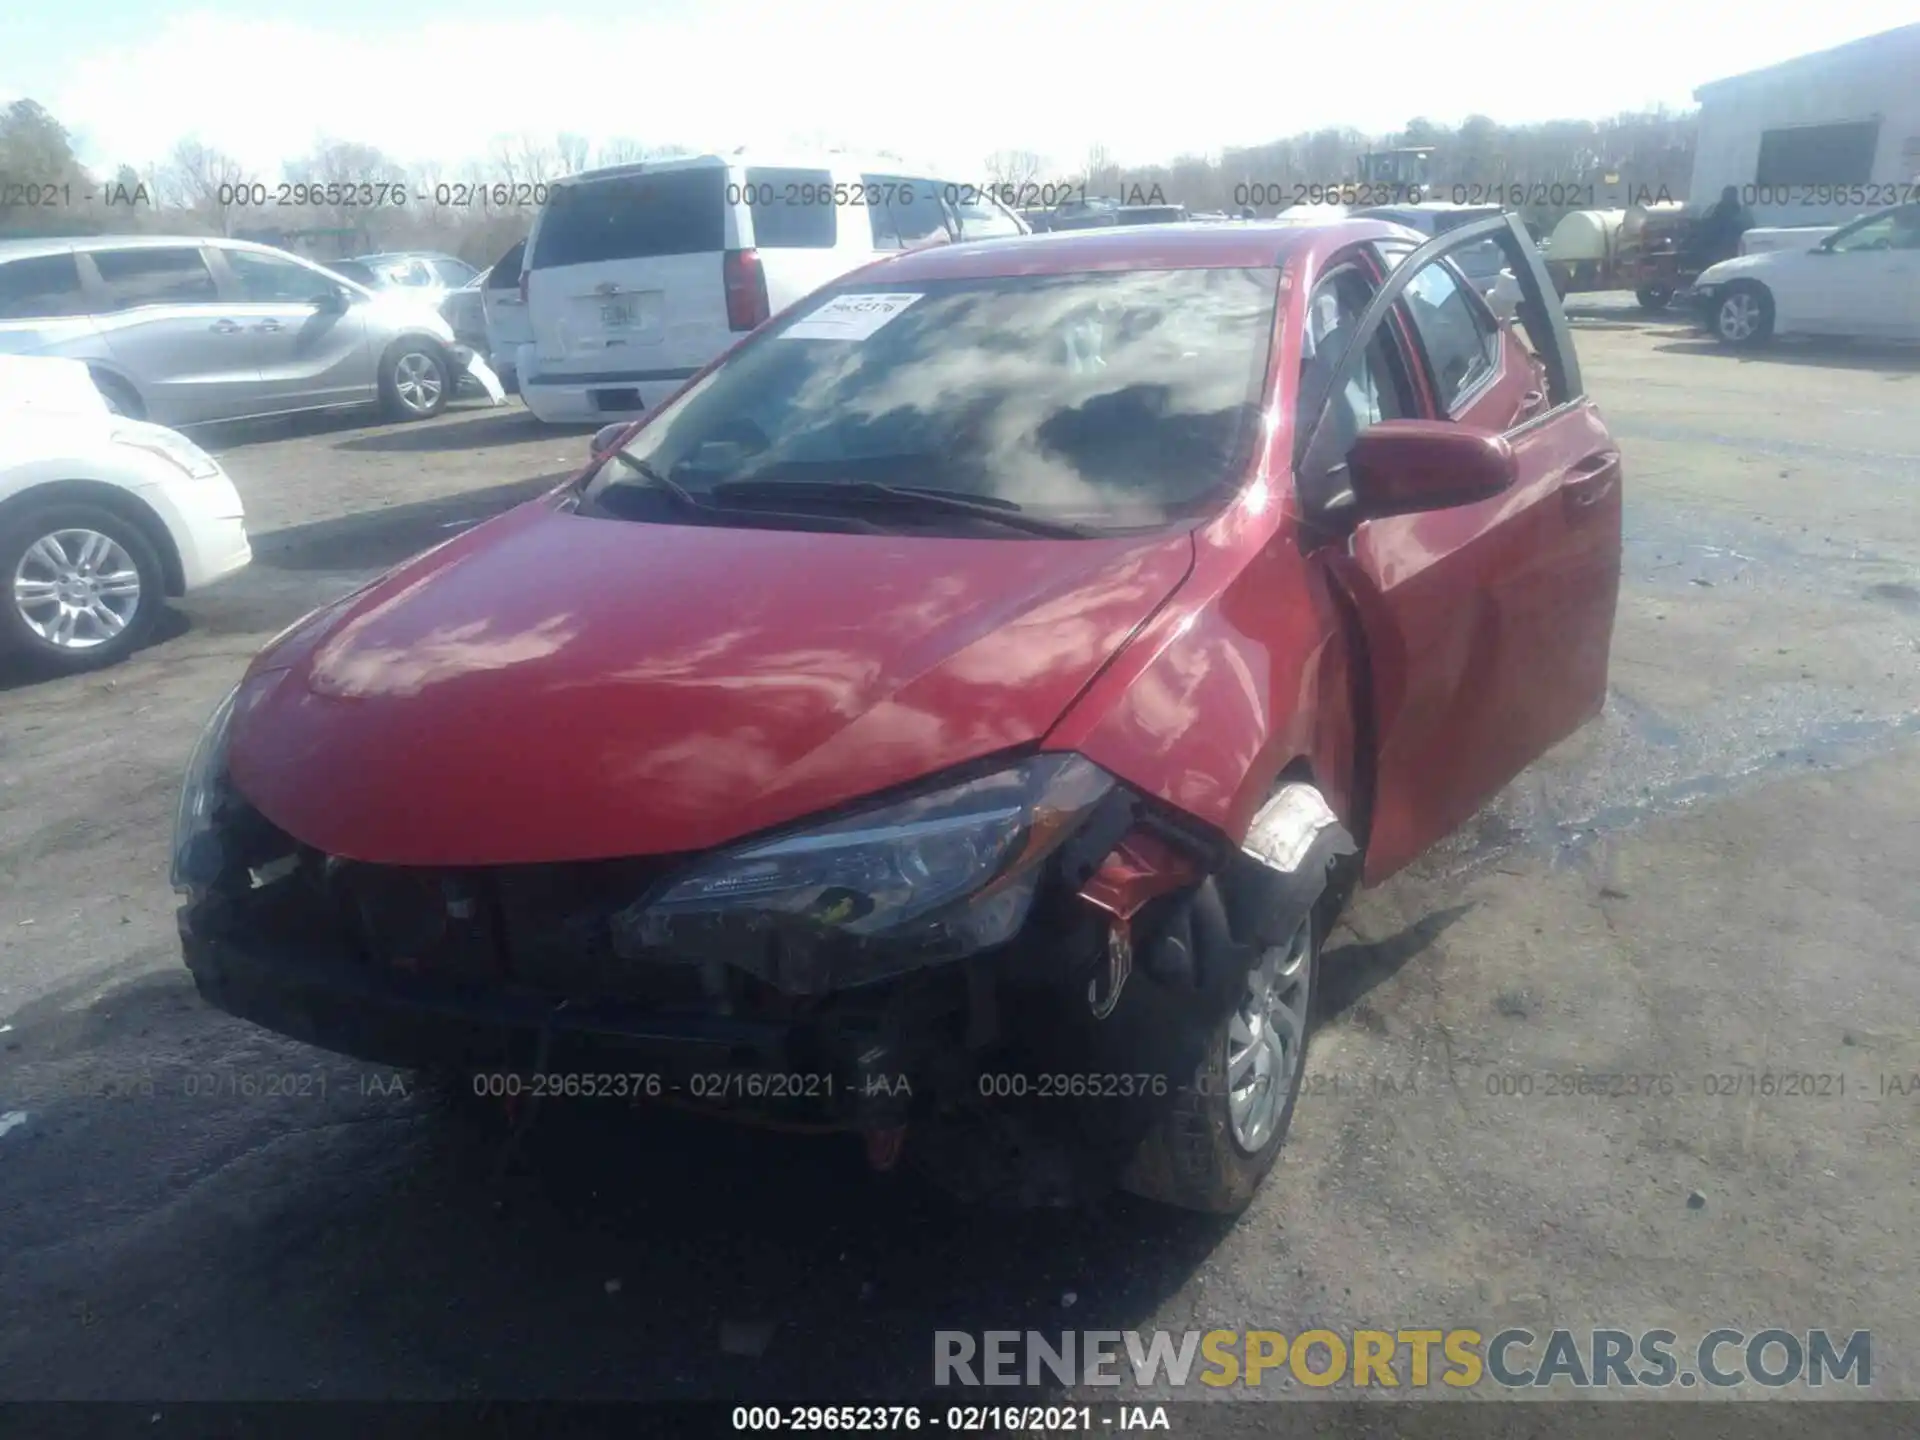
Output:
x=1714 y=883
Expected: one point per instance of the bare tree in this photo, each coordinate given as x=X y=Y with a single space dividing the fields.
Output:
x=570 y=153
x=201 y=179
x=1015 y=170
x=620 y=150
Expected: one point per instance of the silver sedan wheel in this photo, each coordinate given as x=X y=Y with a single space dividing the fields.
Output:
x=76 y=589
x=417 y=381
x=1739 y=316
x=1266 y=1039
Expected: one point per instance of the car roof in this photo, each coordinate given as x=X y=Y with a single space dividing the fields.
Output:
x=1190 y=246
x=762 y=159
x=63 y=244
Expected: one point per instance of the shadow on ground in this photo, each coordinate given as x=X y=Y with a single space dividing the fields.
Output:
x=1895 y=362
x=1350 y=972
x=511 y=425
x=377 y=539
x=174 y=1230
x=224 y=435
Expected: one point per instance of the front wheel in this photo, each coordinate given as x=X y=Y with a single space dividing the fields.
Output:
x=1211 y=1149
x=1743 y=316
x=415 y=380
x=84 y=587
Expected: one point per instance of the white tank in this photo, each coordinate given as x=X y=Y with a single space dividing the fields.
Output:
x=1585 y=235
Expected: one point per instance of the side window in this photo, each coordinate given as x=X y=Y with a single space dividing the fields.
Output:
x=979 y=216
x=1895 y=230
x=267 y=279
x=906 y=213
x=505 y=274
x=454 y=273
x=1461 y=344
x=792 y=209
x=1374 y=391
x=41 y=287
x=155 y=275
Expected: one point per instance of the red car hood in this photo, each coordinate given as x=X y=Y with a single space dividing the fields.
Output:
x=552 y=687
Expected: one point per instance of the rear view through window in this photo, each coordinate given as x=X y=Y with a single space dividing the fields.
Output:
x=676 y=212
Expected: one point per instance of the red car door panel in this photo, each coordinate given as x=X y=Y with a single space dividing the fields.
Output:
x=1487 y=626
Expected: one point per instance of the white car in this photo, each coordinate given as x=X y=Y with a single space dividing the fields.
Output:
x=101 y=518
x=1861 y=280
x=638 y=275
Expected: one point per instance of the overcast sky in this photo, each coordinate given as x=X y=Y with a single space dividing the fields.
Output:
x=946 y=82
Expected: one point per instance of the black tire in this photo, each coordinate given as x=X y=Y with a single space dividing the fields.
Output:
x=120 y=396
x=21 y=532
x=1747 y=298
x=1191 y=1158
x=416 y=379
x=1654 y=298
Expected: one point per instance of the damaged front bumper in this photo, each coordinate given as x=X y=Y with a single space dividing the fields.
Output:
x=1049 y=1054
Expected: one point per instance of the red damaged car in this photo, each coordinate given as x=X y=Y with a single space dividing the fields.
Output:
x=955 y=717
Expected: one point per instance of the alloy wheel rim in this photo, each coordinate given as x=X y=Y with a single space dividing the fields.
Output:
x=1738 y=316
x=416 y=379
x=76 y=589
x=1266 y=1039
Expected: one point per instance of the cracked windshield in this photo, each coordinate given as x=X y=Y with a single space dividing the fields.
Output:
x=682 y=754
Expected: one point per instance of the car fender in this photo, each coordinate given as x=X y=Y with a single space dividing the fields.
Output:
x=1246 y=674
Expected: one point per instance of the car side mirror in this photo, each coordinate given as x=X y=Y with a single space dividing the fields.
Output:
x=608 y=436
x=1401 y=467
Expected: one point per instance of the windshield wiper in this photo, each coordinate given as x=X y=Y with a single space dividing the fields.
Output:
x=868 y=494
x=658 y=481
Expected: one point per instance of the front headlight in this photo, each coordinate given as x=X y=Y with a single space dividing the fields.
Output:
x=199 y=846
x=197 y=861
x=177 y=450
x=936 y=877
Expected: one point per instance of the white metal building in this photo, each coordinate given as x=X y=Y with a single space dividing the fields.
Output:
x=1837 y=119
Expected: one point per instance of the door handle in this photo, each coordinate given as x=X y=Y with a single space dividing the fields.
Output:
x=1591 y=480
x=268 y=327
x=225 y=327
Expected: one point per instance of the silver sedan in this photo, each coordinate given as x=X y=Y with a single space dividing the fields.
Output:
x=184 y=330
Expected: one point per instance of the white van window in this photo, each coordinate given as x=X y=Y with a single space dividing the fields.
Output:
x=676 y=212
x=907 y=213
x=980 y=218
x=792 y=209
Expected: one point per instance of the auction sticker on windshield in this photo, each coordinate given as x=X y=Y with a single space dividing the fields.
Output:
x=849 y=317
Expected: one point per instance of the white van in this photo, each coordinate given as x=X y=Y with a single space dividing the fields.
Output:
x=637 y=275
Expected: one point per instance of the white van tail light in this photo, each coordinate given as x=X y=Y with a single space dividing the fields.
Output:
x=746 y=285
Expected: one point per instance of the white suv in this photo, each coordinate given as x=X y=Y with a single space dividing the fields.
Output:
x=636 y=276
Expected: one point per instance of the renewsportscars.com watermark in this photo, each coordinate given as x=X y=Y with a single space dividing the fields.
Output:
x=1414 y=1359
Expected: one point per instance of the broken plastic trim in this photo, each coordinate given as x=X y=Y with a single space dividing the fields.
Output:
x=1283 y=864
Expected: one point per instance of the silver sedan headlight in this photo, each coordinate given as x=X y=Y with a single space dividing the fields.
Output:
x=936 y=877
